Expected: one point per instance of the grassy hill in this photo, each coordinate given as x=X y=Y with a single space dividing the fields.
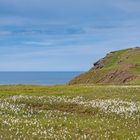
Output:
x=118 y=67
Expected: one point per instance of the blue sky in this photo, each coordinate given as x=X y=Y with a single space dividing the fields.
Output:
x=64 y=35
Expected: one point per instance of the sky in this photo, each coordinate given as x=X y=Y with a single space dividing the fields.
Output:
x=64 y=35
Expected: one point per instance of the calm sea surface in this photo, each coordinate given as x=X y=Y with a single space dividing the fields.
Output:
x=49 y=78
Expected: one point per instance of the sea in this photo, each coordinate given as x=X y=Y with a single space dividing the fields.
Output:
x=37 y=78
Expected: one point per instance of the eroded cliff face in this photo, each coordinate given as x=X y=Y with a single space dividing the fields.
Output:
x=119 y=67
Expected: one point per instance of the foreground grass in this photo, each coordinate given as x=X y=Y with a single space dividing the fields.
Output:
x=69 y=112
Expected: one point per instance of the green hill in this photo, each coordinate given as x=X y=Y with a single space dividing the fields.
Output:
x=118 y=67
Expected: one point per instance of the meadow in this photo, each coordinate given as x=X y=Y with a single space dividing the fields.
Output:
x=63 y=112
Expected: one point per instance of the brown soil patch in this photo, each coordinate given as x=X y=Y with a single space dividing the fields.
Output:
x=118 y=76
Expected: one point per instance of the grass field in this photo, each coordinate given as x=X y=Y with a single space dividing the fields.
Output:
x=69 y=112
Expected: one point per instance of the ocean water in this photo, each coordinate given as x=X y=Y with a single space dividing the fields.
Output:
x=41 y=78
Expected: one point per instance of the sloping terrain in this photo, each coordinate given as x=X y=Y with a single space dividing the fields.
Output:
x=118 y=67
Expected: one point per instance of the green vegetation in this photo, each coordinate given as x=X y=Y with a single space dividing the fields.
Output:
x=84 y=110
x=119 y=67
x=69 y=112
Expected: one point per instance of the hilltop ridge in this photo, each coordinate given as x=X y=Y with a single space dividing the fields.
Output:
x=117 y=67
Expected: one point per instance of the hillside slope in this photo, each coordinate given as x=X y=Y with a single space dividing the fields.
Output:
x=118 y=67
